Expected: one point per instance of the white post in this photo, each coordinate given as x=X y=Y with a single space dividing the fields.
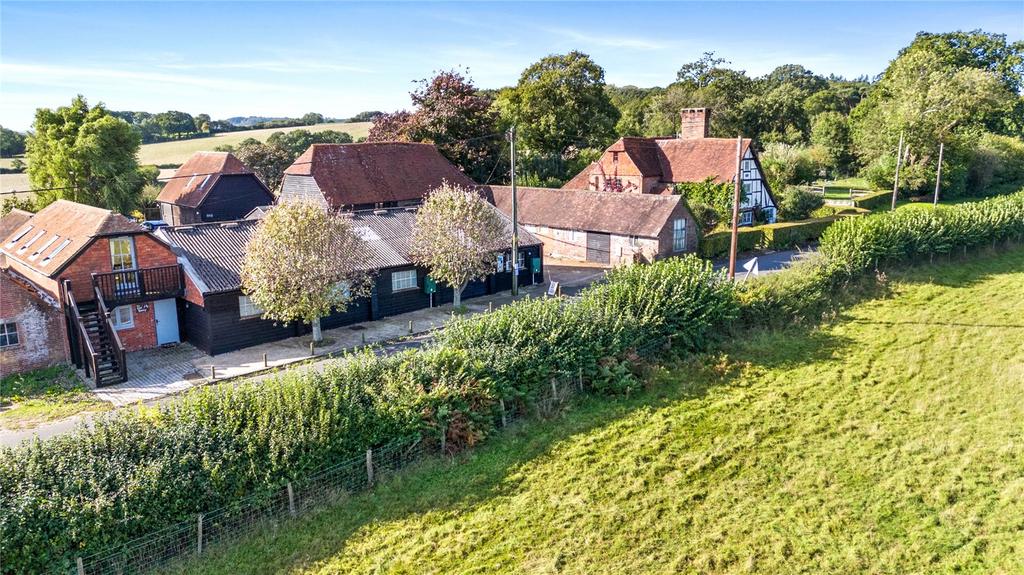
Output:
x=896 y=180
x=291 y=499
x=80 y=566
x=501 y=403
x=199 y=535
x=317 y=334
x=938 y=177
x=369 y=466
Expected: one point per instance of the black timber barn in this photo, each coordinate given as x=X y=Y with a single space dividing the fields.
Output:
x=211 y=187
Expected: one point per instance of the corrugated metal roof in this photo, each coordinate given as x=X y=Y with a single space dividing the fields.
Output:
x=215 y=251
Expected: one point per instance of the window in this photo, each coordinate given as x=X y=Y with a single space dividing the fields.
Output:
x=344 y=290
x=122 y=317
x=38 y=235
x=8 y=333
x=634 y=241
x=522 y=261
x=247 y=309
x=403 y=280
x=500 y=263
x=746 y=218
x=43 y=247
x=122 y=254
x=56 y=251
x=678 y=235
x=15 y=239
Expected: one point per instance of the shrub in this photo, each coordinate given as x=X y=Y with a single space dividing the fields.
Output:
x=997 y=166
x=786 y=235
x=874 y=200
x=798 y=203
x=716 y=244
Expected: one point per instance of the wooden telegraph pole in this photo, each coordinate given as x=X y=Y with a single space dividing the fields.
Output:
x=899 y=161
x=735 y=210
x=938 y=177
x=515 y=213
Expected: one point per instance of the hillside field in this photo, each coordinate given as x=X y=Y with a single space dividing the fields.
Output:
x=888 y=441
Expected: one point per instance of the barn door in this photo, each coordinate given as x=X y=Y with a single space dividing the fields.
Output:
x=599 y=247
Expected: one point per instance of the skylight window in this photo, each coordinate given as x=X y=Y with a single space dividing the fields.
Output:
x=43 y=247
x=38 y=235
x=15 y=239
x=62 y=245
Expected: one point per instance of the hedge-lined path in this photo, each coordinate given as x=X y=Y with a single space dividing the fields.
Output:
x=768 y=262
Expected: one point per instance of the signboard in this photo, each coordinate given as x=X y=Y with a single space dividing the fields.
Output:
x=751 y=267
x=429 y=285
x=553 y=288
x=535 y=265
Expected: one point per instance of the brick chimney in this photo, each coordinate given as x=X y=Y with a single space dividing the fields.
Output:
x=695 y=123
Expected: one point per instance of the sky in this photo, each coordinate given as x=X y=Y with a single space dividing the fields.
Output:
x=288 y=58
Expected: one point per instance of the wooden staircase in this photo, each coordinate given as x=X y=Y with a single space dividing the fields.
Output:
x=108 y=356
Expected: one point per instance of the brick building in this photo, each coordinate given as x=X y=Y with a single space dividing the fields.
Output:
x=602 y=227
x=655 y=165
x=114 y=283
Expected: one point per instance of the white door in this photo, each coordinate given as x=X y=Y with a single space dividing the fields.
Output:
x=166 y=314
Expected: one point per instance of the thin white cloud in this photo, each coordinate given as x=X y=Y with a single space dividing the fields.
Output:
x=276 y=66
x=614 y=40
x=62 y=76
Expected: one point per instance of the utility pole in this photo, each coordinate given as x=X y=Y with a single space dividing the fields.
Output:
x=735 y=210
x=938 y=177
x=515 y=213
x=899 y=161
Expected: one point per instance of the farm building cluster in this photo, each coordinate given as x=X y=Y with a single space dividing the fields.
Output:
x=87 y=286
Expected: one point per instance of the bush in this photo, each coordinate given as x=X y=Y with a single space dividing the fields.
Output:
x=874 y=201
x=798 y=203
x=997 y=166
x=716 y=244
x=786 y=235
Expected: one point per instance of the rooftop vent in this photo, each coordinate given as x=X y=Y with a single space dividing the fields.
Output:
x=229 y=225
x=380 y=212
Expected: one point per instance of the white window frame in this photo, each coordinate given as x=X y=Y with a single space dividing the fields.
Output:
x=400 y=280
x=7 y=329
x=117 y=317
x=679 y=234
x=747 y=218
x=247 y=309
x=634 y=241
x=116 y=259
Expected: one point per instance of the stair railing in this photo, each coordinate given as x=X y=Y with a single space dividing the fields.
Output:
x=90 y=359
x=112 y=333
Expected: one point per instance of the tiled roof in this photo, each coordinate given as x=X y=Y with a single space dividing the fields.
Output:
x=370 y=173
x=671 y=160
x=615 y=213
x=215 y=251
x=50 y=239
x=198 y=175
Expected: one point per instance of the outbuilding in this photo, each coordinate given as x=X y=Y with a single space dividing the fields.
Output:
x=211 y=187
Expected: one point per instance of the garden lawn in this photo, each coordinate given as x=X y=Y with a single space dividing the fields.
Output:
x=890 y=441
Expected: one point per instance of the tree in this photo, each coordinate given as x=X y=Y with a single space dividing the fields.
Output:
x=560 y=105
x=11 y=143
x=699 y=73
x=797 y=204
x=297 y=141
x=267 y=161
x=202 y=122
x=455 y=237
x=711 y=200
x=85 y=155
x=173 y=122
x=450 y=113
x=831 y=132
x=302 y=262
x=312 y=118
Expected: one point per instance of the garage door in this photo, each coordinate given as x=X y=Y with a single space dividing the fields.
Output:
x=599 y=247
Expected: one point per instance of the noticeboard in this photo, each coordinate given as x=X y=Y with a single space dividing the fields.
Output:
x=429 y=285
x=535 y=265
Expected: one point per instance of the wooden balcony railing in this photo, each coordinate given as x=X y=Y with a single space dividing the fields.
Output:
x=138 y=285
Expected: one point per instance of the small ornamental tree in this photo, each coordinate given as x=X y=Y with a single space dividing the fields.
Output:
x=303 y=261
x=455 y=236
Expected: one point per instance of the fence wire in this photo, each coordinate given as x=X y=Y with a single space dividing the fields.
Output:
x=271 y=510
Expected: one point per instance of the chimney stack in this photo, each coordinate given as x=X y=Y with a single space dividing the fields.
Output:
x=695 y=123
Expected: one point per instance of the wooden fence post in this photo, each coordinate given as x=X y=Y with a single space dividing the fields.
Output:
x=80 y=566
x=265 y=360
x=579 y=379
x=312 y=352
x=199 y=535
x=444 y=438
x=369 y=466
x=291 y=499
x=501 y=403
x=213 y=372
x=410 y=326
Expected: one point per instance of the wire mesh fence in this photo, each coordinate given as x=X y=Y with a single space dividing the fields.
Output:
x=271 y=510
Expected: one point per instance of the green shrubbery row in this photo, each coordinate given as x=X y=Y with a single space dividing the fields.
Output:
x=136 y=472
x=852 y=246
x=779 y=236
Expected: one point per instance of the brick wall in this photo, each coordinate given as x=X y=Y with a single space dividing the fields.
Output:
x=42 y=339
x=142 y=335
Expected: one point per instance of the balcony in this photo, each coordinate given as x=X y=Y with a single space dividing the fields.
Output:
x=139 y=285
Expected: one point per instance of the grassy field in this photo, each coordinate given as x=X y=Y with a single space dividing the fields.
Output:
x=889 y=441
x=178 y=152
x=35 y=397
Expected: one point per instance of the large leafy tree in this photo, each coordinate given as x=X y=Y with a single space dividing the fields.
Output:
x=560 y=105
x=268 y=161
x=455 y=236
x=11 y=143
x=297 y=141
x=302 y=262
x=449 y=112
x=85 y=155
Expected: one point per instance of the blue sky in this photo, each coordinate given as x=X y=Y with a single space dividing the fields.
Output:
x=288 y=58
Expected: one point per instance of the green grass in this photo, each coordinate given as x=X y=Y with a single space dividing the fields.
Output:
x=179 y=151
x=48 y=394
x=889 y=441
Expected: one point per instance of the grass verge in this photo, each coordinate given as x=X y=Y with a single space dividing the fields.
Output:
x=28 y=399
x=887 y=441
